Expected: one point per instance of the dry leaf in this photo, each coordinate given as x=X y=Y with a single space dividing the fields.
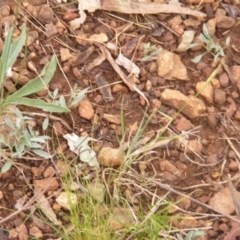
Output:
x=45 y=206
x=125 y=79
x=129 y=7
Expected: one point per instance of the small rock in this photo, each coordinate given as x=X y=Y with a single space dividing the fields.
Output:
x=62 y=167
x=170 y=66
x=67 y=200
x=22 y=232
x=215 y=83
x=5 y=11
x=222 y=201
x=219 y=96
x=100 y=38
x=148 y=85
x=110 y=157
x=211 y=159
x=165 y=165
x=205 y=90
x=212 y=120
x=85 y=109
x=49 y=171
x=35 y=232
x=183 y=203
x=235 y=70
x=31 y=37
x=49 y=184
x=120 y=218
x=37 y=172
x=58 y=128
x=194 y=146
x=211 y=26
x=51 y=30
x=119 y=88
x=186 y=40
x=156 y=104
x=174 y=98
x=233 y=166
x=45 y=14
x=112 y=118
x=224 y=80
x=65 y=54
x=81 y=38
x=207 y=71
x=225 y=22
x=19 y=78
x=183 y=125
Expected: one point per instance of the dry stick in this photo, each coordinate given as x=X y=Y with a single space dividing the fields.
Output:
x=168 y=188
x=27 y=206
x=235 y=196
x=233 y=148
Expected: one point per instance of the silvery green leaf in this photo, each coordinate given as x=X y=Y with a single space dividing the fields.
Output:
x=205 y=32
x=62 y=102
x=35 y=145
x=9 y=123
x=6 y=166
x=79 y=97
x=55 y=93
x=41 y=153
x=228 y=39
x=40 y=139
x=197 y=59
x=45 y=124
x=145 y=58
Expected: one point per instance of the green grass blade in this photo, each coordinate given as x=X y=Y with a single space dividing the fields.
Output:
x=37 y=83
x=36 y=103
x=16 y=47
x=5 y=55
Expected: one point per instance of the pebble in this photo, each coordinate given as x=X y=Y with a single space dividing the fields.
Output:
x=100 y=38
x=65 y=55
x=186 y=40
x=49 y=184
x=156 y=104
x=51 y=30
x=119 y=88
x=112 y=118
x=45 y=14
x=85 y=109
x=110 y=157
x=215 y=83
x=31 y=37
x=67 y=200
x=224 y=22
x=165 y=165
x=211 y=26
x=170 y=66
x=183 y=203
x=48 y=171
x=177 y=100
x=183 y=125
x=120 y=218
x=222 y=201
x=219 y=96
x=233 y=166
x=224 y=80
x=194 y=146
x=205 y=90
x=35 y=232
x=235 y=70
